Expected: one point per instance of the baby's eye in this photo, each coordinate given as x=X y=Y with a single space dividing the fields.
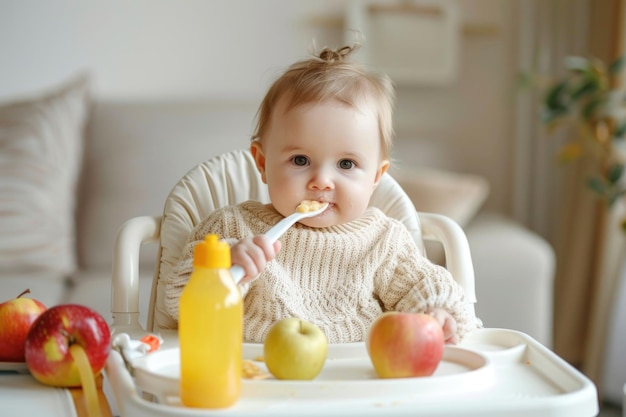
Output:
x=346 y=164
x=300 y=160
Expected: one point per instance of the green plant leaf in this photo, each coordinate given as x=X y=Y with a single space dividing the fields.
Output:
x=615 y=173
x=556 y=97
x=589 y=86
x=597 y=185
x=615 y=196
x=620 y=131
x=549 y=116
x=617 y=65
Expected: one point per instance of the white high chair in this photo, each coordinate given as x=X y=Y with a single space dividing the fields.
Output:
x=494 y=372
x=230 y=179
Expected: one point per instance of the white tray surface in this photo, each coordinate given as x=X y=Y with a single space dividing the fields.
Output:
x=494 y=372
x=347 y=373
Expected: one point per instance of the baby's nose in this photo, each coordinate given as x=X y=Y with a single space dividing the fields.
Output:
x=321 y=180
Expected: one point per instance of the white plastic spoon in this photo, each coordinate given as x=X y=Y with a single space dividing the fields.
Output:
x=281 y=227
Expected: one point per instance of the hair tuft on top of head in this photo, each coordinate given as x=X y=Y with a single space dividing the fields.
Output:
x=336 y=55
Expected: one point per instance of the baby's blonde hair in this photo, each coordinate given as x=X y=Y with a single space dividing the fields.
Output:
x=328 y=75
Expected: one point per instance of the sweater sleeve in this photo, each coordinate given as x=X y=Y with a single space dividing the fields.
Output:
x=176 y=280
x=418 y=285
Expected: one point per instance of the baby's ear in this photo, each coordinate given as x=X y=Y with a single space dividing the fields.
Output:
x=256 y=149
x=383 y=167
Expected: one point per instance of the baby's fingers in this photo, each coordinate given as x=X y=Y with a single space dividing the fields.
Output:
x=448 y=325
x=269 y=250
x=253 y=255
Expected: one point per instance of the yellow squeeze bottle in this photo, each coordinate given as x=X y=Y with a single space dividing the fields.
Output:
x=210 y=330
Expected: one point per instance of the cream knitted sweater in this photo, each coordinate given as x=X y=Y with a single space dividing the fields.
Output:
x=340 y=278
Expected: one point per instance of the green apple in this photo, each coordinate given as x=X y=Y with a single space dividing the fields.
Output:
x=295 y=349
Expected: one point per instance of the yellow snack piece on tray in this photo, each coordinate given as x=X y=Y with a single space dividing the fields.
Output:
x=250 y=371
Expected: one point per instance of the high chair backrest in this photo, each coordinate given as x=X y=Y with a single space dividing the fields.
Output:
x=229 y=179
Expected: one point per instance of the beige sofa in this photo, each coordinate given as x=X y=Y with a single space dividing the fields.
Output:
x=74 y=169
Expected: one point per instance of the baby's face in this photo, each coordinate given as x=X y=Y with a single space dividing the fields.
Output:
x=321 y=151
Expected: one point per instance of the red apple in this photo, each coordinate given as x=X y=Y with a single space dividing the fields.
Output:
x=16 y=317
x=49 y=352
x=404 y=345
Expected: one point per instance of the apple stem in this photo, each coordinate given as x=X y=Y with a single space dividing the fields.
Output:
x=70 y=339
x=26 y=291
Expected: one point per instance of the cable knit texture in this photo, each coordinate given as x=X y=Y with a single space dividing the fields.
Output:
x=340 y=278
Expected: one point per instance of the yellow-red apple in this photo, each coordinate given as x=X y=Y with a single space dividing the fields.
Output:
x=49 y=344
x=16 y=317
x=404 y=345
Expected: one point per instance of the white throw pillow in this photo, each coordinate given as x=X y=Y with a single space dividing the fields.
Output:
x=41 y=147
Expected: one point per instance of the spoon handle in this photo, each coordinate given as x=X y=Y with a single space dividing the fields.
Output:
x=276 y=232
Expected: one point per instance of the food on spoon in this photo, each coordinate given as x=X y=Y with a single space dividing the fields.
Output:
x=306 y=206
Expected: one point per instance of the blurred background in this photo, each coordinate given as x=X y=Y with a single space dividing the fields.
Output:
x=470 y=78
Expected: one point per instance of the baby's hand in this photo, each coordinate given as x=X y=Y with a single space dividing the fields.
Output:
x=448 y=324
x=253 y=254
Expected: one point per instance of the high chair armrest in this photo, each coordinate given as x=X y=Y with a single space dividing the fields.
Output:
x=456 y=248
x=125 y=283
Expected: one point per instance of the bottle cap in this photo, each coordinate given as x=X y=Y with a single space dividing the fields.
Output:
x=212 y=253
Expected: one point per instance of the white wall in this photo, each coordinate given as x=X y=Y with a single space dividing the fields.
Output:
x=466 y=126
x=146 y=49
x=232 y=49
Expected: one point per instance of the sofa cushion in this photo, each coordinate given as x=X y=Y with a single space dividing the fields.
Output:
x=456 y=195
x=136 y=152
x=41 y=143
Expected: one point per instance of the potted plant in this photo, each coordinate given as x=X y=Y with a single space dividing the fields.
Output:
x=586 y=99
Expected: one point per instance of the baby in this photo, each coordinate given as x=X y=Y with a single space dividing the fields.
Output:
x=324 y=134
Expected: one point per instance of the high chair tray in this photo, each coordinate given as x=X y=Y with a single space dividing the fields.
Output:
x=495 y=372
